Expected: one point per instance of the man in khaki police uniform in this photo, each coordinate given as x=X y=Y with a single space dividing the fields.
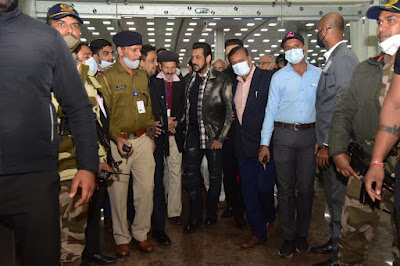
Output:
x=125 y=90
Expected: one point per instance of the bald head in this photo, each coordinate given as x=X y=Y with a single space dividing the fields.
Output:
x=330 y=29
x=266 y=62
x=219 y=65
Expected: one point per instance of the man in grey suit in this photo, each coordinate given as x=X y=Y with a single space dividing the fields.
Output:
x=340 y=63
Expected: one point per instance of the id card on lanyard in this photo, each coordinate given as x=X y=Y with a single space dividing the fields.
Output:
x=139 y=103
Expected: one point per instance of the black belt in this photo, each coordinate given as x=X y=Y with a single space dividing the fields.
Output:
x=295 y=126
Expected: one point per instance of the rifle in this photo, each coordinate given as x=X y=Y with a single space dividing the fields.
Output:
x=360 y=163
x=102 y=138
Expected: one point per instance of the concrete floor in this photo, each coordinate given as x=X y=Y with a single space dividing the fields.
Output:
x=220 y=244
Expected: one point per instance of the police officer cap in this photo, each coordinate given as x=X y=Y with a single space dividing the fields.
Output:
x=375 y=11
x=127 y=38
x=62 y=10
x=167 y=56
x=292 y=35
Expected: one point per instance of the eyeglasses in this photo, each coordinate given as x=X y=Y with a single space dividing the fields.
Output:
x=322 y=30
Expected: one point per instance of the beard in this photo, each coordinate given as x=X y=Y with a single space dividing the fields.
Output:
x=201 y=68
x=8 y=5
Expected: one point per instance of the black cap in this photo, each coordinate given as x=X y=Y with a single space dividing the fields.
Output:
x=280 y=58
x=374 y=11
x=167 y=56
x=127 y=38
x=62 y=10
x=292 y=35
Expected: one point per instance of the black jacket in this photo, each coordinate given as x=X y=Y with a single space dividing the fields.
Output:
x=36 y=61
x=248 y=134
x=158 y=103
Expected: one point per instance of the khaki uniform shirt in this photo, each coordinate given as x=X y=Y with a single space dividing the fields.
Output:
x=124 y=96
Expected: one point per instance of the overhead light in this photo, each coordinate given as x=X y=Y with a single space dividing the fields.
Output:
x=170 y=23
x=130 y=23
x=280 y=40
x=308 y=58
x=83 y=39
x=169 y=29
x=86 y=22
x=257 y=18
x=171 y=17
x=309 y=24
x=227 y=29
x=276 y=54
x=323 y=50
x=250 y=40
x=186 y=40
x=346 y=41
x=110 y=28
x=212 y=24
x=91 y=28
x=237 y=18
x=321 y=58
x=204 y=34
x=180 y=58
x=261 y=54
x=192 y=23
x=217 y=18
x=168 y=34
x=150 y=17
x=132 y=28
x=257 y=58
x=257 y=34
x=152 y=40
x=195 y=18
x=106 y=22
x=151 y=34
x=264 y=29
x=246 y=46
x=150 y=29
x=313 y=61
x=209 y=29
x=254 y=51
x=251 y=24
x=267 y=51
x=244 y=29
x=349 y=46
x=309 y=34
x=183 y=50
x=181 y=54
x=266 y=40
x=188 y=34
x=167 y=45
x=313 y=41
x=314 y=54
x=348 y=25
x=274 y=46
x=95 y=33
x=316 y=30
x=113 y=33
x=150 y=23
x=190 y=29
x=213 y=45
x=202 y=40
x=273 y=24
x=238 y=34
x=281 y=29
x=167 y=40
x=310 y=51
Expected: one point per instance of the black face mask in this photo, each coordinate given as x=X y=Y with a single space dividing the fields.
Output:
x=320 y=40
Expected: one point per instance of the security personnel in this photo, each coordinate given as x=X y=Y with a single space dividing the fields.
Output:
x=125 y=89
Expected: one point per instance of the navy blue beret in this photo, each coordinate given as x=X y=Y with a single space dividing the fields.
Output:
x=127 y=38
x=167 y=56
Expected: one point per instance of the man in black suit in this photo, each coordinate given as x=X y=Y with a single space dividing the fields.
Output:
x=250 y=91
x=167 y=96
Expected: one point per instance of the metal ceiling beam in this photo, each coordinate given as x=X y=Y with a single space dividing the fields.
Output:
x=284 y=10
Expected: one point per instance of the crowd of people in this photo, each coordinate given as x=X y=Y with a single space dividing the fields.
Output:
x=81 y=131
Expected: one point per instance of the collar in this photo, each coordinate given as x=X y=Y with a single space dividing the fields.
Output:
x=249 y=77
x=6 y=16
x=161 y=75
x=290 y=68
x=329 y=53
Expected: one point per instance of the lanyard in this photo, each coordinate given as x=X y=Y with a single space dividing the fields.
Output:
x=167 y=92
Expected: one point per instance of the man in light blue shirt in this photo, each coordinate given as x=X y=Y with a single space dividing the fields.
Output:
x=290 y=114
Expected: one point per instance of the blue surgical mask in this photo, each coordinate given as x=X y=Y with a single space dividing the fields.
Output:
x=105 y=64
x=92 y=64
x=241 y=69
x=294 y=56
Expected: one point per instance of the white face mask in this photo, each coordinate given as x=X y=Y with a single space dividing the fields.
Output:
x=105 y=64
x=131 y=64
x=390 y=45
x=294 y=56
x=92 y=64
x=241 y=69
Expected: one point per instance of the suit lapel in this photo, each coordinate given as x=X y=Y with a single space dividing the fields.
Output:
x=252 y=91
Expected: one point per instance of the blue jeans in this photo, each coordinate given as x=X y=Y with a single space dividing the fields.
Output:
x=258 y=193
x=194 y=156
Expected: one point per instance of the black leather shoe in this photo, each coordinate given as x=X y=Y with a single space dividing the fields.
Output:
x=161 y=237
x=329 y=262
x=325 y=248
x=176 y=220
x=98 y=259
x=192 y=226
x=211 y=220
x=240 y=222
x=227 y=213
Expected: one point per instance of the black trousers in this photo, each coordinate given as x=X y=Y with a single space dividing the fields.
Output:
x=158 y=216
x=233 y=191
x=92 y=232
x=29 y=205
x=295 y=170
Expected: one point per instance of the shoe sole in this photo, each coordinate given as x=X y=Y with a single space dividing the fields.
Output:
x=287 y=257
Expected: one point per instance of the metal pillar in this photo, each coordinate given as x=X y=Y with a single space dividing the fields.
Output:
x=219 y=49
x=27 y=7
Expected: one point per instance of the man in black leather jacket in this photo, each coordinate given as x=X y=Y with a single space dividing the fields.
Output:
x=208 y=118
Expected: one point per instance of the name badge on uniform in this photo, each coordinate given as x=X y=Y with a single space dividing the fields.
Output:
x=140 y=107
x=121 y=87
x=168 y=112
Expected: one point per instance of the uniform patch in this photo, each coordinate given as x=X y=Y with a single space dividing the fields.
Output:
x=121 y=87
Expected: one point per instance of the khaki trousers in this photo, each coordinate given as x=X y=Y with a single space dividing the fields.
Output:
x=173 y=179
x=141 y=164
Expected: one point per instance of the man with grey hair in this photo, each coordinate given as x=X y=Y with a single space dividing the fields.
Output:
x=267 y=62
